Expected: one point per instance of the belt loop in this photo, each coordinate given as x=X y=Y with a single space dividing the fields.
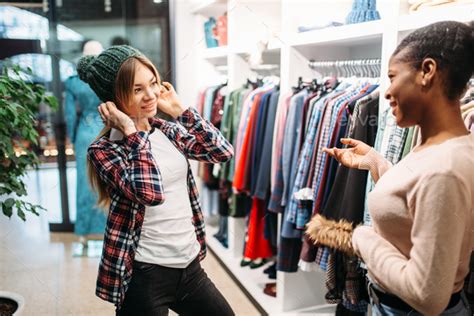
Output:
x=372 y=294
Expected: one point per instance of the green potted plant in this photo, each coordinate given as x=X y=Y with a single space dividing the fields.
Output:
x=19 y=103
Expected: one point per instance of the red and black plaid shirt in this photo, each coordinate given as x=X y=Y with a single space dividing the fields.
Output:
x=128 y=169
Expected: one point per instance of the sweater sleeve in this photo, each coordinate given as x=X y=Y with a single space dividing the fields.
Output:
x=375 y=163
x=424 y=280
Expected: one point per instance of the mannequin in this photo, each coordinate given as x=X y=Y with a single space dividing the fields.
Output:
x=83 y=124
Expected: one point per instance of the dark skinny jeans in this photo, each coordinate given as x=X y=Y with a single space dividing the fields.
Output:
x=154 y=289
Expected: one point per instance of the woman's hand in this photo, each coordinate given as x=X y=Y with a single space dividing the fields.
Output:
x=349 y=157
x=114 y=118
x=168 y=102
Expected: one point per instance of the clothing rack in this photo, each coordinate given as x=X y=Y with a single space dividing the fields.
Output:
x=348 y=68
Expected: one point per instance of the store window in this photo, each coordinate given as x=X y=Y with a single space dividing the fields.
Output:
x=48 y=37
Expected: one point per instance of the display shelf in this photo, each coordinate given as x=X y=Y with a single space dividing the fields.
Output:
x=215 y=52
x=216 y=57
x=210 y=8
x=322 y=310
x=288 y=53
x=360 y=34
x=253 y=280
x=269 y=57
x=275 y=44
x=461 y=13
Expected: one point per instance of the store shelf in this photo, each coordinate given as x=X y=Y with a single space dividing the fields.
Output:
x=210 y=8
x=324 y=310
x=362 y=33
x=274 y=44
x=461 y=13
x=289 y=53
x=216 y=56
x=215 y=52
x=271 y=55
x=253 y=280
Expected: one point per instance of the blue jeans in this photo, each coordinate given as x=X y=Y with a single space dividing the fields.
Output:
x=460 y=309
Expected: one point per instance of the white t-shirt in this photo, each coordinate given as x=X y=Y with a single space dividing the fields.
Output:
x=168 y=236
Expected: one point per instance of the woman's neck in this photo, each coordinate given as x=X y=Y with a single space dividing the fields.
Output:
x=142 y=124
x=443 y=122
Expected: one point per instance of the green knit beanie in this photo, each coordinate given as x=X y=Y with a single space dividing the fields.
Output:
x=100 y=71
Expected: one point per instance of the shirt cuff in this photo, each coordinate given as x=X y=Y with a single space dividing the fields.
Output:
x=137 y=140
x=188 y=117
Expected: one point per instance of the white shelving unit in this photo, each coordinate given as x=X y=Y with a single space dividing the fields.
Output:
x=215 y=53
x=409 y=22
x=344 y=35
x=209 y=7
x=253 y=280
x=275 y=22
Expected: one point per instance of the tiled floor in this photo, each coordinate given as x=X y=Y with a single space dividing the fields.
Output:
x=39 y=265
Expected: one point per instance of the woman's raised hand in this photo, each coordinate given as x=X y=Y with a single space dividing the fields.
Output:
x=169 y=102
x=115 y=118
x=352 y=156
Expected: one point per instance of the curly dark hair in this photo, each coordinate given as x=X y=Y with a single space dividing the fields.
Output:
x=450 y=44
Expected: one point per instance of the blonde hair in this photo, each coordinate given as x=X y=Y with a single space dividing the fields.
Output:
x=123 y=100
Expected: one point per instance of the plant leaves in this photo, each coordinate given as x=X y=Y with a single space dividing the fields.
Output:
x=8 y=211
x=19 y=104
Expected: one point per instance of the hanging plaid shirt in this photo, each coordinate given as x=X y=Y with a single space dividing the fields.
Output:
x=133 y=180
x=390 y=141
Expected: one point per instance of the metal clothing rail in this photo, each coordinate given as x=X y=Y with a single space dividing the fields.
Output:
x=347 y=68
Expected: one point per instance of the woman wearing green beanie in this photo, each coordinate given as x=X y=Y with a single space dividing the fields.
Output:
x=154 y=239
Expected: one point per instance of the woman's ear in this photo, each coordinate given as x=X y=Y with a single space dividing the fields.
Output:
x=428 y=71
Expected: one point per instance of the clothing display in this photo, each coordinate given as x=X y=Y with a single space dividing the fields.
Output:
x=322 y=151
x=467 y=112
x=319 y=26
x=214 y=193
x=220 y=30
x=247 y=120
x=209 y=26
x=215 y=31
x=280 y=168
x=300 y=205
x=279 y=164
x=363 y=11
x=422 y=5
x=83 y=125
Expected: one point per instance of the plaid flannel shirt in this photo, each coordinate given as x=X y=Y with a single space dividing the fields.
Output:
x=134 y=181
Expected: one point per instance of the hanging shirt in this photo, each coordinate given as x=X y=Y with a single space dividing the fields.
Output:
x=291 y=148
x=389 y=142
x=257 y=151
x=262 y=187
x=276 y=184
